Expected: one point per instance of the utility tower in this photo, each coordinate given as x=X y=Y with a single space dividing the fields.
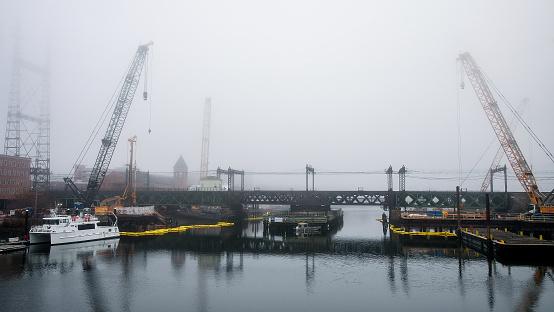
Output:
x=402 y=178
x=28 y=122
x=205 y=139
x=231 y=178
x=389 y=177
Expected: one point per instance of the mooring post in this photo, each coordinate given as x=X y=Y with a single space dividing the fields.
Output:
x=26 y=222
x=488 y=216
x=458 y=211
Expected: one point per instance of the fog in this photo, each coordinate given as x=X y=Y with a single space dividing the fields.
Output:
x=348 y=87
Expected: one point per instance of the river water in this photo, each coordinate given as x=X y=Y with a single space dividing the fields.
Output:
x=358 y=268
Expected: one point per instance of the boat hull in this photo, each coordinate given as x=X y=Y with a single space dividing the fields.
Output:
x=39 y=238
x=70 y=236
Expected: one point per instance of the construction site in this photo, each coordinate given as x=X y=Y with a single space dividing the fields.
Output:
x=30 y=184
x=28 y=181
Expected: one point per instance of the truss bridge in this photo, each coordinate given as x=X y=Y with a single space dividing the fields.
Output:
x=387 y=199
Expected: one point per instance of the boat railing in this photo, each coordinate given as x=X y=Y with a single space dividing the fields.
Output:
x=109 y=214
x=481 y=216
x=41 y=228
x=538 y=217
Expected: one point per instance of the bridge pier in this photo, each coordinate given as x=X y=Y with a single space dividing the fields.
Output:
x=235 y=213
x=395 y=214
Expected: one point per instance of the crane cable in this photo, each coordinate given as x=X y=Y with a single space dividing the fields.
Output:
x=518 y=116
x=460 y=73
x=145 y=91
x=512 y=128
x=99 y=124
x=151 y=62
x=459 y=69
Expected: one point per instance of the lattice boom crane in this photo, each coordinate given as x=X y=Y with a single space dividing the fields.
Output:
x=109 y=142
x=520 y=166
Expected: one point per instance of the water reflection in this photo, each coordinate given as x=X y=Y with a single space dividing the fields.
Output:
x=533 y=288
x=238 y=267
x=310 y=271
x=77 y=260
x=219 y=249
x=67 y=258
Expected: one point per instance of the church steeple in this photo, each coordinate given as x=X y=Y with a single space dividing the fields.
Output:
x=180 y=173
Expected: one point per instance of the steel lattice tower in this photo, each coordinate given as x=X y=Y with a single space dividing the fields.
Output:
x=205 y=139
x=389 y=178
x=12 y=143
x=402 y=178
x=28 y=122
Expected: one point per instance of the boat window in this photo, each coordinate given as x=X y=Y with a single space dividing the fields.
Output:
x=55 y=221
x=87 y=226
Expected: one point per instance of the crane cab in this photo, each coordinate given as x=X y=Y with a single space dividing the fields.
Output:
x=532 y=209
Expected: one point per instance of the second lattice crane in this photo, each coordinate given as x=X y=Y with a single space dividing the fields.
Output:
x=539 y=201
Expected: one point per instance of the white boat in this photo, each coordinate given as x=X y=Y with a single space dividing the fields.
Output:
x=64 y=229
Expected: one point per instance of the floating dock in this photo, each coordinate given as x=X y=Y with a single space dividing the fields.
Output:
x=11 y=247
x=428 y=238
x=508 y=247
x=326 y=220
x=532 y=226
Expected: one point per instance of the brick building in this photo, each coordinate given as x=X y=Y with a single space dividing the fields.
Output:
x=116 y=179
x=15 y=176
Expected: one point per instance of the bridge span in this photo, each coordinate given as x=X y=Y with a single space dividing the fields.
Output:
x=387 y=199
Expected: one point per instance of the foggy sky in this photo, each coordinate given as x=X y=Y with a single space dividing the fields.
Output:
x=345 y=86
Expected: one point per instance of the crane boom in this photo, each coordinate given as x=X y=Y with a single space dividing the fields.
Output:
x=520 y=166
x=499 y=152
x=113 y=131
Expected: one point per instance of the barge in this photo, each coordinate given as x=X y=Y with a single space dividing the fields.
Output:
x=510 y=248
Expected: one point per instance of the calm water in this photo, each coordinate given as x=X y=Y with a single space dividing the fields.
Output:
x=237 y=269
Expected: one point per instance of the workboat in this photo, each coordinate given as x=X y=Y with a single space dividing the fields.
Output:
x=303 y=227
x=65 y=229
